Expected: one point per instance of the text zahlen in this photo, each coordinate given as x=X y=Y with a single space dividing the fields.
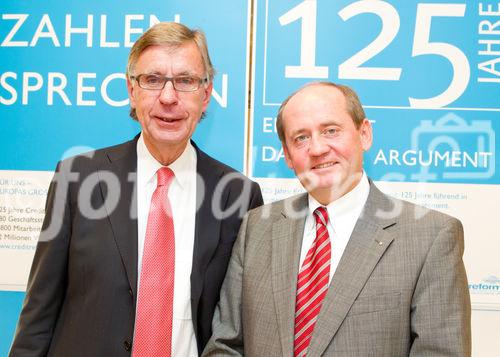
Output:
x=93 y=29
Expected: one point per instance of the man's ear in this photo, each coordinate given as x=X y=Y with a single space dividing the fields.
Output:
x=366 y=134
x=288 y=160
x=207 y=91
x=131 y=90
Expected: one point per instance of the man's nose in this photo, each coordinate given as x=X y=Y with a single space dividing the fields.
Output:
x=168 y=94
x=318 y=146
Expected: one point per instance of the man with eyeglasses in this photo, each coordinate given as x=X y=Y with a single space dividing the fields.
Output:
x=144 y=277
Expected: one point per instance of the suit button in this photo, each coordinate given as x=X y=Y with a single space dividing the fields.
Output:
x=131 y=292
x=127 y=345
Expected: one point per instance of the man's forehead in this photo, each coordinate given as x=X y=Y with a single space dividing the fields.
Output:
x=315 y=98
x=185 y=58
x=317 y=91
x=310 y=123
x=170 y=49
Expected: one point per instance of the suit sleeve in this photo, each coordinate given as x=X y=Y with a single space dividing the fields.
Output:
x=47 y=280
x=227 y=337
x=440 y=311
x=255 y=196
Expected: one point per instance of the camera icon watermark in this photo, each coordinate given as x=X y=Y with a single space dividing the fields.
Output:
x=454 y=149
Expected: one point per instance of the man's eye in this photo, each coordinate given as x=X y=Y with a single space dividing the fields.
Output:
x=330 y=131
x=152 y=79
x=300 y=138
x=185 y=80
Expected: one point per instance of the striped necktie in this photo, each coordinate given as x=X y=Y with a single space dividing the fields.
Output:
x=312 y=284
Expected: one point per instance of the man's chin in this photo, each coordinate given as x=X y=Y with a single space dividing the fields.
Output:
x=312 y=181
x=172 y=136
x=331 y=185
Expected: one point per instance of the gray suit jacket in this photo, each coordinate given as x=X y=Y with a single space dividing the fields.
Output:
x=400 y=288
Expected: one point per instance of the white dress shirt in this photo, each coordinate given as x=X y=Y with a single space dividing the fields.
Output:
x=182 y=197
x=343 y=214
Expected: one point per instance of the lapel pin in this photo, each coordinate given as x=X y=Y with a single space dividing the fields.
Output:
x=379 y=242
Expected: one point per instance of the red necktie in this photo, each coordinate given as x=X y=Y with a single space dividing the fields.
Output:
x=312 y=284
x=153 y=324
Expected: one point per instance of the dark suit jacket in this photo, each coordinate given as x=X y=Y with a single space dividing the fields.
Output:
x=82 y=289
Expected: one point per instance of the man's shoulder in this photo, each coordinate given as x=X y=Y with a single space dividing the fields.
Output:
x=405 y=212
x=92 y=160
x=208 y=165
x=294 y=207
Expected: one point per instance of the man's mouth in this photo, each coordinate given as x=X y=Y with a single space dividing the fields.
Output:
x=324 y=165
x=168 y=120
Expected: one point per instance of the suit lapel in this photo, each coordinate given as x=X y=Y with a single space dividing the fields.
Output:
x=207 y=227
x=286 y=242
x=366 y=246
x=122 y=162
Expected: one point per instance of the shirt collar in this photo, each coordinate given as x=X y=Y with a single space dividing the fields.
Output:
x=352 y=201
x=181 y=167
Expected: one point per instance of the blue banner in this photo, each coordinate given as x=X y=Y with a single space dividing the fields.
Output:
x=421 y=70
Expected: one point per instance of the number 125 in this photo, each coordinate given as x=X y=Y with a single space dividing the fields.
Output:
x=353 y=68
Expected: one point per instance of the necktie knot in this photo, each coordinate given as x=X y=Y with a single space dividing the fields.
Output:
x=321 y=216
x=165 y=176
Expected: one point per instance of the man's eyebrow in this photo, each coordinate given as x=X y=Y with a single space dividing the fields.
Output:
x=184 y=73
x=321 y=125
x=329 y=122
x=298 y=131
x=153 y=72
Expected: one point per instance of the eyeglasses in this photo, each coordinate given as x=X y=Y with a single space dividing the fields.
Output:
x=180 y=83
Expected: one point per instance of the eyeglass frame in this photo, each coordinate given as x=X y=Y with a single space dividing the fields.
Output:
x=169 y=79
